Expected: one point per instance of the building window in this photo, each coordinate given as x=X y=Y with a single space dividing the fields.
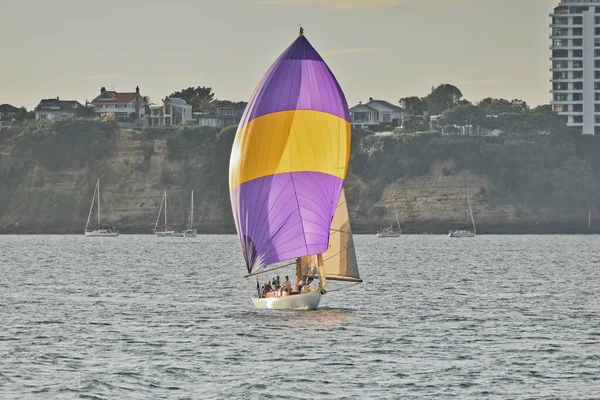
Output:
x=560 y=21
x=560 y=64
x=561 y=97
x=560 y=75
x=597 y=96
x=597 y=74
x=577 y=97
x=578 y=75
x=560 y=86
x=560 y=32
x=577 y=53
x=597 y=42
x=561 y=108
x=578 y=119
x=561 y=54
x=560 y=43
x=578 y=107
x=597 y=108
x=577 y=31
x=578 y=64
x=577 y=20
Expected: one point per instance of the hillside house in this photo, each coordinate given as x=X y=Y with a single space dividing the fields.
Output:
x=173 y=111
x=125 y=106
x=8 y=115
x=375 y=112
x=55 y=108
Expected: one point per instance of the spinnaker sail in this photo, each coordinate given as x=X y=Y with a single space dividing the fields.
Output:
x=289 y=160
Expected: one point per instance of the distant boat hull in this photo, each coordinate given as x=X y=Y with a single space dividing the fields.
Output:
x=169 y=234
x=101 y=233
x=388 y=234
x=190 y=233
x=461 y=234
x=308 y=301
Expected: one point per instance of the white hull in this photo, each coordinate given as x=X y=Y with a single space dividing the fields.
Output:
x=461 y=234
x=387 y=235
x=169 y=234
x=101 y=234
x=308 y=301
x=190 y=233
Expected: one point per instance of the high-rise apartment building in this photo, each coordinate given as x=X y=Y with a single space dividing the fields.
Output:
x=576 y=63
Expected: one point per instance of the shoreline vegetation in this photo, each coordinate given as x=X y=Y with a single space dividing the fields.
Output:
x=525 y=171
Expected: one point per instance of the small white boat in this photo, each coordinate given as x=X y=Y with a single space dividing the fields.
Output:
x=166 y=232
x=300 y=301
x=191 y=231
x=98 y=232
x=463 y=233
x=460 y=234
x=388 y=233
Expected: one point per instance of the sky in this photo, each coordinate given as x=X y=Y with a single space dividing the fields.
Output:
x=385 y=49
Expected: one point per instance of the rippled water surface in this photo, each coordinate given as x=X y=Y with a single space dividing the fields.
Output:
x=138 y=317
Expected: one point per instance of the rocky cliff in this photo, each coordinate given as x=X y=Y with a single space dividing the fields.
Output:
x=45 y=188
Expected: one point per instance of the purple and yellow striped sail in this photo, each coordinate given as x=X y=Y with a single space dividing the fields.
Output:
x=289 y=159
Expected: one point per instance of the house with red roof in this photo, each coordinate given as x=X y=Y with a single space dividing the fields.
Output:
x=124 y=105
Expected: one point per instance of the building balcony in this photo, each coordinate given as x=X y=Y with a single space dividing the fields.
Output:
x=566 y=102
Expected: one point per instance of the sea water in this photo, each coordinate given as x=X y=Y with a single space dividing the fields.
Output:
x=140 y=317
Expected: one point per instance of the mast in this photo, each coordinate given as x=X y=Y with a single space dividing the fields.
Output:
x=471 y=211
x=165 y=210
x=159 y=210
x=192 y=212
x=98 y=186
x=91 y=208
x=397 y=219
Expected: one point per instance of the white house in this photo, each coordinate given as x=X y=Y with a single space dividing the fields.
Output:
x=375 y=112
x=124 y=105
x=227 y=114
x=55 y=108
x=173 y=111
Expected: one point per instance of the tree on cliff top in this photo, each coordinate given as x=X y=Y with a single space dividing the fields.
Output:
x=503 y=106
x=414 y=105
x=201 y=98
x=442 y=98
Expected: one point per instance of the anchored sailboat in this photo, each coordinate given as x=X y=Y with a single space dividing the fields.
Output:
x=191 y=231
x=166 y=232
x=461 y=233
x=390 y=232
x=288 y=164
x=99 y=232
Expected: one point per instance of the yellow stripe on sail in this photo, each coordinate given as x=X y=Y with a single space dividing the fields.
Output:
x=290 y=141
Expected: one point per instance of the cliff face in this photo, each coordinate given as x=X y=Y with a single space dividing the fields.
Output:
x=39 y=196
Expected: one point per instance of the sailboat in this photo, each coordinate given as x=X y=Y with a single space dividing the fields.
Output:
x=100 y=232
x=166 y=232
x=462 y=233
x=287 y=168
x=390 y=232
x=190 y=231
